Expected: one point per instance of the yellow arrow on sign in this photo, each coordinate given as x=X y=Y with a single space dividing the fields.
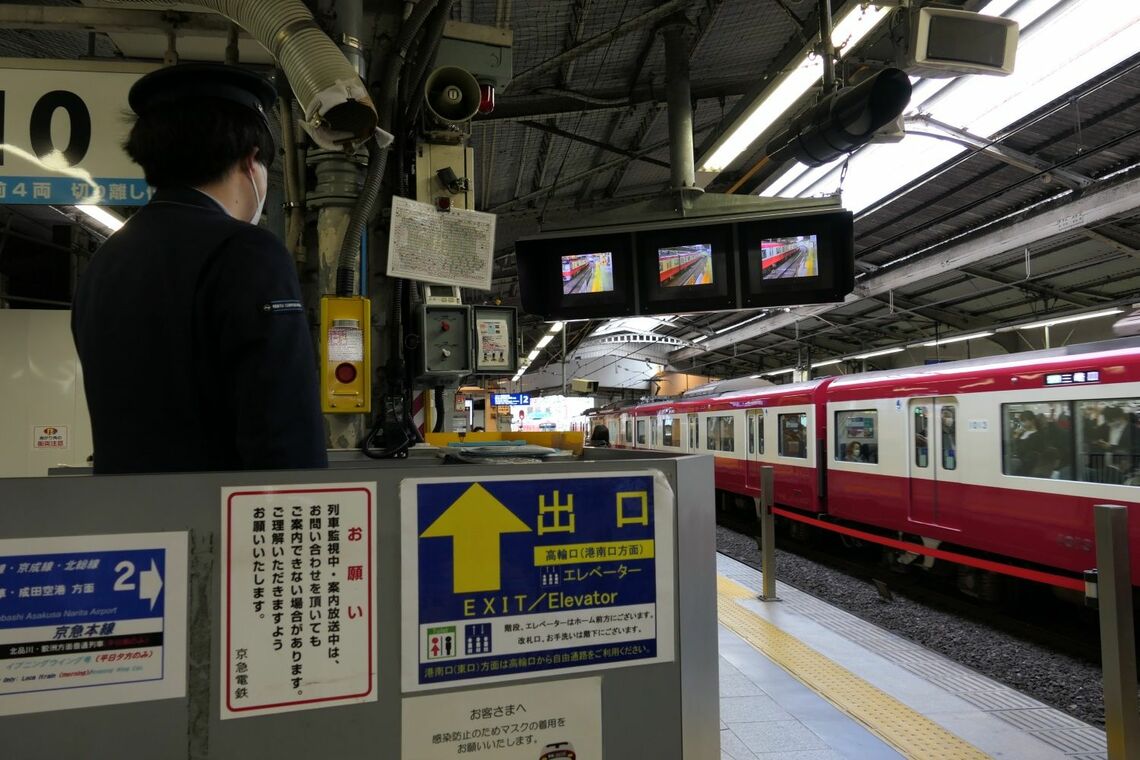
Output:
x=475 y=522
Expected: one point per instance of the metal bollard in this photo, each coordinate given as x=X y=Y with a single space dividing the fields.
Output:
x=1117 y=645
x=768 y=533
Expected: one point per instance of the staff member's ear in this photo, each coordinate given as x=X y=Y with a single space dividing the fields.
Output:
x=258 y=176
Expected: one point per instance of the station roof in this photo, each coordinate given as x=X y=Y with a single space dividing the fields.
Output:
x=1038 y=219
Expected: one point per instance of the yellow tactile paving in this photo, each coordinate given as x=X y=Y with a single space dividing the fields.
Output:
x=909 y=732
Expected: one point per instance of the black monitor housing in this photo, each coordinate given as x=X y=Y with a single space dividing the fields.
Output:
x=688 y=265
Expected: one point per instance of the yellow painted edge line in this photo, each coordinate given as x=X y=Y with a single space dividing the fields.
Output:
x=911 y=733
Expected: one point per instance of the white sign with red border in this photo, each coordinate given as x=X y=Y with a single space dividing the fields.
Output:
x=49 y=437
x=298 y=597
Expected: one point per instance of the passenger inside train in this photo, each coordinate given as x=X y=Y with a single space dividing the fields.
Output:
x=1041 y=441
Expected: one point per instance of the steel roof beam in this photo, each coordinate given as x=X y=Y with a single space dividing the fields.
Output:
x=1024 y=284
x=110 y=20
x=1120 y=198
x=1112 y=243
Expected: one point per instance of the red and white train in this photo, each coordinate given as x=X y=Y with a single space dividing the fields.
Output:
x=1003 y=456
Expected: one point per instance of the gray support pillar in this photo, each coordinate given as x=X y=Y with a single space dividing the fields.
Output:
x=680 y=106
x=1117 y=642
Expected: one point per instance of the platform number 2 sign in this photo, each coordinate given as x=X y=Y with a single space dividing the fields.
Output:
x=40 y=123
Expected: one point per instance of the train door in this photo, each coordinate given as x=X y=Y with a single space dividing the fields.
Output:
x=693 y=436
x=933 y=458
x=755 y=449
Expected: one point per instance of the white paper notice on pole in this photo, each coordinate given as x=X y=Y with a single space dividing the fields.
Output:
x=298 y=625
x=494 y=350
x=453 y=247
x=91 y=620
x=555 y=719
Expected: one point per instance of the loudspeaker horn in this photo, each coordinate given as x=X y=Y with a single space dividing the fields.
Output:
x=451 y=95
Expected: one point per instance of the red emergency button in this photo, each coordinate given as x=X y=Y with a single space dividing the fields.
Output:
x=345 y=372
x=444 y=326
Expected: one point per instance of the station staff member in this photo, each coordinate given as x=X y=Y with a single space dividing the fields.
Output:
x=189 y=325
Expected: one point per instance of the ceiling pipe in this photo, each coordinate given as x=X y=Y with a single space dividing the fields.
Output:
x=335 y=102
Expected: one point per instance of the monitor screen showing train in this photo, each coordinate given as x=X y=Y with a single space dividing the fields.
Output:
x=684 y=265
x=588 y=273
x=787 y=257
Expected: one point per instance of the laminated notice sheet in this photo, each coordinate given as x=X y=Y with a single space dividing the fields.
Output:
x=453 y=247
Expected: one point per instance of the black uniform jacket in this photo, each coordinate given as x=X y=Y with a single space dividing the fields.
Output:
x=195 y=347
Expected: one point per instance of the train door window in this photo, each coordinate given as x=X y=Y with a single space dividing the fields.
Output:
x=727 y=434
x=667 y=431
x=694 y=432
x=857 y=436
x=712 y=440
x=1108 y=441
x=1037 y=441
x=653 y=432
x=921 y=436
x=641 y=431
x=948 y=428
x=752 y=434
x=793 y=435
x=628 y=432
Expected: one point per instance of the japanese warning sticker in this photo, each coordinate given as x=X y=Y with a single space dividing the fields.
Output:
x=91 y=620
x=298 y=584
x=504 y=577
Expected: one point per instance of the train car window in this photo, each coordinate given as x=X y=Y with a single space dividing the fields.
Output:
x=1037 y=441
x=948 y=419
x=694 y=432
x=712 y=440
x=793 y=435
x=921 y=447
x=857 y=436
x=1108 y=441
x=727 y=434
x=641 y=431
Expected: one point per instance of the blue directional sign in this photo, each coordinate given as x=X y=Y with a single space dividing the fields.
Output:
x=510 y=399
x=513 y=576
x=73 y=617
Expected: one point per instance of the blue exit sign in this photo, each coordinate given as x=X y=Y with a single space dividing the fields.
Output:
x=510 y=399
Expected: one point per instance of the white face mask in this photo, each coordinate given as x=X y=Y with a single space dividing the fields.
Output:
x=259 y=198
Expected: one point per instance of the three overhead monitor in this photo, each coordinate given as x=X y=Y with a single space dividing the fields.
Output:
x=701 y=265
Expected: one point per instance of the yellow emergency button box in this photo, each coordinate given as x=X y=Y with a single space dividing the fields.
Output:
x=346 y=350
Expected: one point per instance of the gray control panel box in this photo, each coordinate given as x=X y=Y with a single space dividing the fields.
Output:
x=445 y=342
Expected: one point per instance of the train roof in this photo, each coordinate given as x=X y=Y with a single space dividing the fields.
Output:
x=1129 y=346
x=722 y=386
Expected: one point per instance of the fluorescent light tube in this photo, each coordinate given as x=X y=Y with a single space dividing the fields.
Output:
x=544 y=341
x=881 y=352
x=554 y=328
x=802 y=74
x=102 y=216
x=1062 y=320
x=775 y=372
x=532 y=355
x=955 y=339
x=740 y=324
x=826 y=363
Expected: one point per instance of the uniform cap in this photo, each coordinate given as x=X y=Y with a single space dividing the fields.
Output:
x=203 y=80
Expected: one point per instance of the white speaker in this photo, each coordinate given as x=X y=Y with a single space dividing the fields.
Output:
x=451 y=95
